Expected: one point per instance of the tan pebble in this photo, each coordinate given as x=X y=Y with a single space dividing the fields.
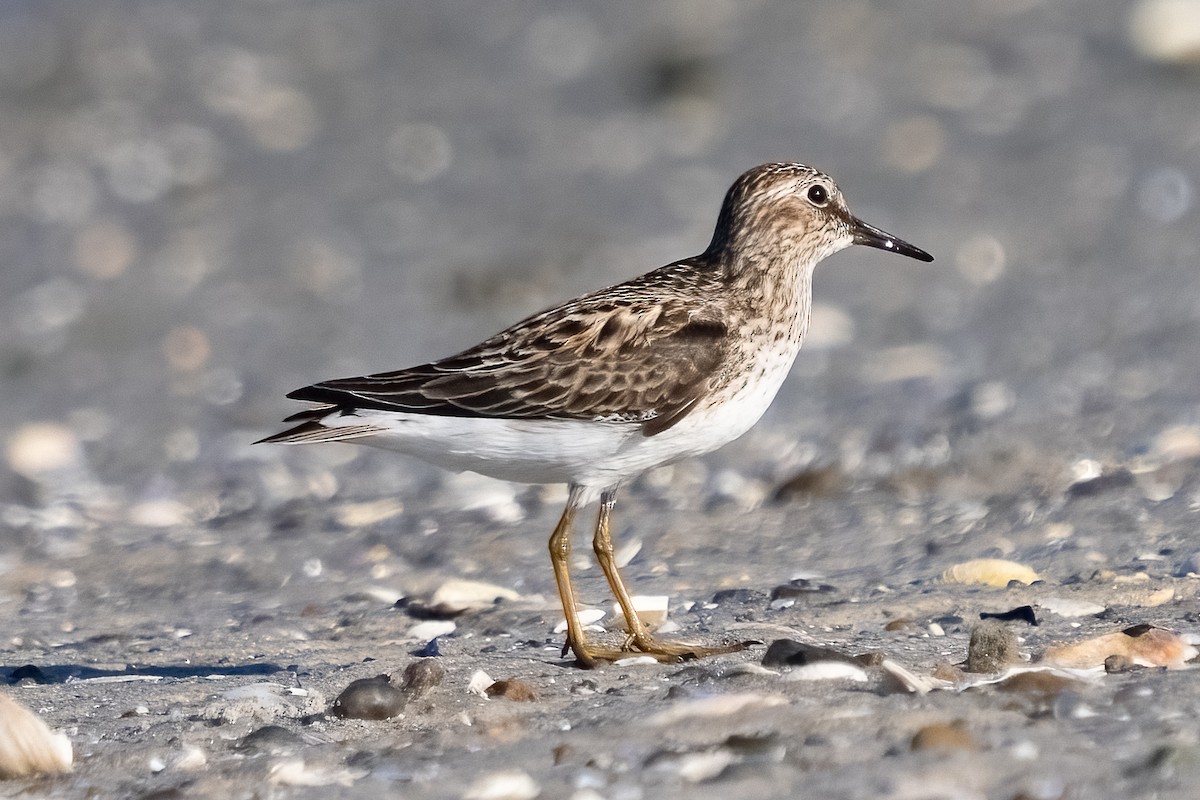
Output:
x=1143 y=645
x=27 y=745
x=457 y=595
x=104 y=250
x=164 y=513
x=705 y=765
x=186 y=348
x=505 y=785
x=989 y=572
x=294 y=772
x=944 y=736
x=192 y=758
x=948 y=672
x=900 y=624
x=1037 y=684
x=1178 y=443
x=1166 y=31
x=1160 y=597
x=513 y=689
x=42 y=447
x=358 y=515
x=715 y=706
x=813 y=482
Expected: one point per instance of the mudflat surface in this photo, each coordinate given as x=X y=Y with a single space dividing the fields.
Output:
x=204 y=207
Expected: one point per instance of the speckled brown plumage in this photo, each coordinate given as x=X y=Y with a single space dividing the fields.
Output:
x=592 y=392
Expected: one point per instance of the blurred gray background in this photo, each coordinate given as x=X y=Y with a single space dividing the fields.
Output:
x=205 y=205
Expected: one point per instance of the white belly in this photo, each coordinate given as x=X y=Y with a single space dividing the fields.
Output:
x=593 y=454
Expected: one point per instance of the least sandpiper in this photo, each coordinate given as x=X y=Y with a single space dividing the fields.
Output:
x=595 y=391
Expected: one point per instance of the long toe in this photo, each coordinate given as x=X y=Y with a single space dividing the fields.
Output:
x=684 y=651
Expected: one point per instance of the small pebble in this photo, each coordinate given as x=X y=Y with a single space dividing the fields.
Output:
x=729 y=596
x=1037 y=684
x=945 y=671
x=800 y=588
x=993 y=646
x=1070 y=608
x=422 y=676
x=429 y=650
x=1117 y=663
x=650 y=608
x=456 y=596
x=587 y=616
x=513 y=689
x=479 y=683
x=814 y=482
x=1166 y=31
x=943 y=736
x=270 y=740
x=827 y=671
x=369 y=698
x=431 y=629
x=711 y=707
x=505 y=785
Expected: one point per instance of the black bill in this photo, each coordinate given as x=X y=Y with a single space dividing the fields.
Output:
x=873 y=237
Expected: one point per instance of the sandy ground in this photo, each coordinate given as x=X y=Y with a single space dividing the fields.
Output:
x=204 y=207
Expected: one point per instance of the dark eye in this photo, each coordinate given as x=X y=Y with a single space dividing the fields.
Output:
x=818 y=195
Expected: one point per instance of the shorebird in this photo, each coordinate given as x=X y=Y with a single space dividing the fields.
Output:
x=593 y=392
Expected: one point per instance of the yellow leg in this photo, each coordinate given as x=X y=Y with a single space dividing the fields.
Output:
x=639 y=636
x=560 y=554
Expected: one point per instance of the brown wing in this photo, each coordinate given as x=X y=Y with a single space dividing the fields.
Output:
x=622 y=354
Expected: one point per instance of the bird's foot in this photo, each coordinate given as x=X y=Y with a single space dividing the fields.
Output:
x=589 y=656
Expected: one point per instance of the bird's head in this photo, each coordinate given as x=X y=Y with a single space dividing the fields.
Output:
x=793 y=210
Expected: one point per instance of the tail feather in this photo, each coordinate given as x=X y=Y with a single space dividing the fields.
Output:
x=314 y=431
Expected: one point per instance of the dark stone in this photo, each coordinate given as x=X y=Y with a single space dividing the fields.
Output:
x=1118 y=479
x=1019 y=614
x=269 y=740
x=801 y=587
x=790 y=653
x=726 y=596
x=430 y=650
x=369 y=698
x=28 y=673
